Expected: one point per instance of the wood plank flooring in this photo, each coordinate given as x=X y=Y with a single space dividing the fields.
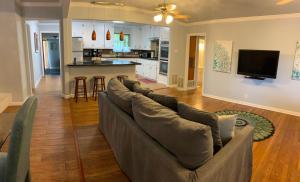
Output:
x=67 y=145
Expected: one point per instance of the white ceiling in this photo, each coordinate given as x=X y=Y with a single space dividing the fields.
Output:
x=200 y=10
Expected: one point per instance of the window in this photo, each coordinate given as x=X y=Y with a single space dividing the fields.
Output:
x=121 y=46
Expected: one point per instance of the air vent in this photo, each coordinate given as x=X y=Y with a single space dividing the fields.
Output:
x=191 y=84
x=180 y=82
x=173 y=80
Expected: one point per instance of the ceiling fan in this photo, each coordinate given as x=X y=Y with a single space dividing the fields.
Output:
x=283 y=2
x=168 y=13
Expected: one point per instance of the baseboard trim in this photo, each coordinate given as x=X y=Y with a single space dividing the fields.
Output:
x=275 y=109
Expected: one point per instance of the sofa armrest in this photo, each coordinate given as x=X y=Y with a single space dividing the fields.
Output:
x=233 y=162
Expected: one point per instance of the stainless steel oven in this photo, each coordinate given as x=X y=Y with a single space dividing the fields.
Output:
x=164 y=50
x=163 y=67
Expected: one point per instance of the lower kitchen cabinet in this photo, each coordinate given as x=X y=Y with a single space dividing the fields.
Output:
x=147 y=69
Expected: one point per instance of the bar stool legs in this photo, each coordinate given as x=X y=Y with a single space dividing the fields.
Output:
x=78 y=88
x=97 y=85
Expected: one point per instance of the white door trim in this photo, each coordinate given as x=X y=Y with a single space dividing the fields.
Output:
x=187 y=61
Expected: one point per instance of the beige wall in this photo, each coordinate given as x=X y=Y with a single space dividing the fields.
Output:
x=269 y=34
x=13 y=77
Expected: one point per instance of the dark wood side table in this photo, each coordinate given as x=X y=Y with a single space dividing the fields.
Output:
x=6 y=123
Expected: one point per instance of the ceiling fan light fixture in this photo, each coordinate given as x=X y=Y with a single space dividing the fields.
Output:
x=158 y=18
x=169 y=19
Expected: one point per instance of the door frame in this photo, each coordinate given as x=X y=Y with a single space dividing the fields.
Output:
x=42 y=48
x=197 y=60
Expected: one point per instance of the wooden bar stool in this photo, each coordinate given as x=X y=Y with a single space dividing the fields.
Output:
x=101 y=85
x=121 y=78
x=80 y=89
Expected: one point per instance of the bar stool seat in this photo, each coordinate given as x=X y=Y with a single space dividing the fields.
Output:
x=98 y=85
x=121 y=78
x=80 y=89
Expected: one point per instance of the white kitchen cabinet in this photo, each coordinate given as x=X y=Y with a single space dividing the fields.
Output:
x=148 y=69
x=146 y=44
x=84 y=29
x=135 y=40
x=164 y=34
x=154 y=32
x=109 y=44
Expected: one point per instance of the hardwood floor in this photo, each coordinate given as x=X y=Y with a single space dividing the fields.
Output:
x=62 y=128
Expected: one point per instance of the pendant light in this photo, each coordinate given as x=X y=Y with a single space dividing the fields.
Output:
x=94 y=35
x=121 y=36
x=108 y=35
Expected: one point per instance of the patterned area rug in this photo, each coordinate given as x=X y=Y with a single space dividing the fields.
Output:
x=263 y=128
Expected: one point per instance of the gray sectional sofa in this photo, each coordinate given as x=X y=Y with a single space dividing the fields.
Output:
x=151 y=142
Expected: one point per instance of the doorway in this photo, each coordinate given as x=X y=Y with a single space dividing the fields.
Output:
x=43 y=50
x=195 y=61
x=51 y=54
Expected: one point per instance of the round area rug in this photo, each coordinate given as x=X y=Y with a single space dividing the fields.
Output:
x=263 y=128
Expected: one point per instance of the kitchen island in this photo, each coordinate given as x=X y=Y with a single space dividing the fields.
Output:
x=109 y=69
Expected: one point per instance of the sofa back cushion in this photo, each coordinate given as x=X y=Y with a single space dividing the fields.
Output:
x=190 y=142
x=165 y=100
x=129 y=83
x=139 y=89
x=120 y=95
x=206 y=118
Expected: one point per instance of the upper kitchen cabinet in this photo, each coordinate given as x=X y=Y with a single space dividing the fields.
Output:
x=164 y=34
x=146 y=35
x=154 y=32
x=109 y=44
x=136 y=38
x=84 y=29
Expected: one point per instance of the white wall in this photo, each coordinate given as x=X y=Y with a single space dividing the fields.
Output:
x=280 y=34
x=35 y=56
x=49 y=27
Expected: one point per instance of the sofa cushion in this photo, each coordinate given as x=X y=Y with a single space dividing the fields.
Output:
x=227 y=126
x=139 y=89
x=129 y=83
x=120 y=95
x=165 y=100
x=189 y=141
x=206 y=118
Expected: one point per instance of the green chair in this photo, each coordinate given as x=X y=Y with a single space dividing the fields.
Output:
x=14 y=165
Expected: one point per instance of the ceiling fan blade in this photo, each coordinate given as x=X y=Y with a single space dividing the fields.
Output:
x=283 y=2
x=170 y=7
x=103 y=3
x=183 y=17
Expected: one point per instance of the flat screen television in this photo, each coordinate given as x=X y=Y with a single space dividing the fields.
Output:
x=258 y=64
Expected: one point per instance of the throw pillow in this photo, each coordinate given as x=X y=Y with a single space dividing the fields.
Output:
x=190 y=142
x=206 y=118
x=227 y=126
x=165 y=100
x=120 y=95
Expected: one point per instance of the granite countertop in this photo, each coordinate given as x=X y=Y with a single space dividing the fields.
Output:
x=106 y=63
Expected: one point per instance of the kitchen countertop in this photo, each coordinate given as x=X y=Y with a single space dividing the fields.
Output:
x=115 y=62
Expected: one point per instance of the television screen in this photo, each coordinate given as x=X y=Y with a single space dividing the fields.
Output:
x=258 y=63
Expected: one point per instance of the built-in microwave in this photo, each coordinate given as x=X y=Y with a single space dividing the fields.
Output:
x=164 y=50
